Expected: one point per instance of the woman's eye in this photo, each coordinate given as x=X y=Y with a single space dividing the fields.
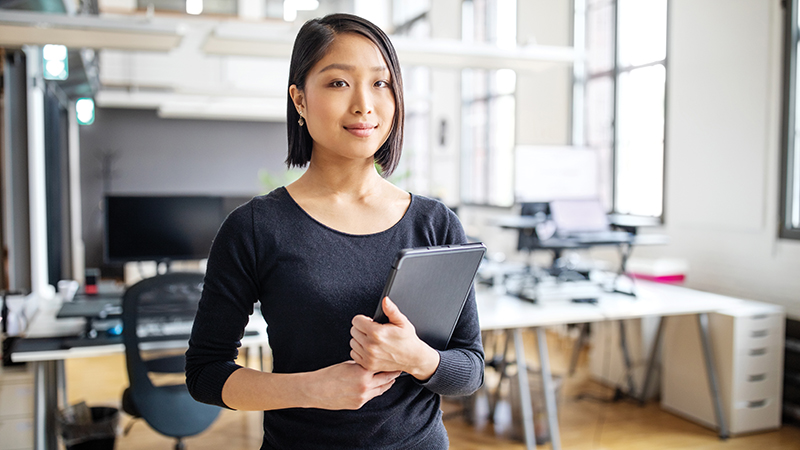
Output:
x=338 y=83
x=382 y=83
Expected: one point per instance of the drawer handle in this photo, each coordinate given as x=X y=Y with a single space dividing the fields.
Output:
x=759 y=333
x=757 y=377
x=759 y=316
x=757 y=403
x=758 y=351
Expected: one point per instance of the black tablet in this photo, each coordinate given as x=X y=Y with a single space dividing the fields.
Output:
x=430 y=285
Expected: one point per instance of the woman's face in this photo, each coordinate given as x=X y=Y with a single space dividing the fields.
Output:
x=348 y=103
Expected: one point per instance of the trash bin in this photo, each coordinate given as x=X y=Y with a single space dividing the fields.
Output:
x=84 y=428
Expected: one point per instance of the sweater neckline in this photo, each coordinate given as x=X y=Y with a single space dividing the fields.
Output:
x=286 y=193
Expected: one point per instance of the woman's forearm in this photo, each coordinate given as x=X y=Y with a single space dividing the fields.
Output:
x=340 y=386
x=251 y=390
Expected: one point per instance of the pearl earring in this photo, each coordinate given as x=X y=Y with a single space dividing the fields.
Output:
x=301 y=121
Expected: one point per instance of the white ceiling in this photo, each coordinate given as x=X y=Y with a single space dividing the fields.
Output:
x=225 y=67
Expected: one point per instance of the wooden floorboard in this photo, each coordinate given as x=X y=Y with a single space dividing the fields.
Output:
x=590 y=422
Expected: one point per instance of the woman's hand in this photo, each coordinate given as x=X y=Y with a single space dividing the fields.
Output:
x=345 y=385
x=393 y=346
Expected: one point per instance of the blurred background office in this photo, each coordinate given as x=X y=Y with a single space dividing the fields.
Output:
x=679 y=114
x=685 y=108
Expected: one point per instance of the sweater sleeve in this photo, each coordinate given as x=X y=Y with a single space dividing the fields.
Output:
x=461 y=365
x=229 y=293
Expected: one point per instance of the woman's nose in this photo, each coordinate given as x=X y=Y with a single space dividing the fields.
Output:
x=362 y=101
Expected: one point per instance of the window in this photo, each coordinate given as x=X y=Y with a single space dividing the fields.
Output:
x=624 y=85
x=790 y=163
x=488 y=112
x=410 y=19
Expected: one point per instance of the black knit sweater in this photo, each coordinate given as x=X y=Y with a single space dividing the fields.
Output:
x=311 y=281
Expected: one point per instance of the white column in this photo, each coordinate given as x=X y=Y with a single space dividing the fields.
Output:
x=76 y=223
x=36 y=174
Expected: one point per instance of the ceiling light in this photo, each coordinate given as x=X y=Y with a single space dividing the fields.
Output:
x=290 y=8
x=194 y=7
x=84 y=111
x=55 y=62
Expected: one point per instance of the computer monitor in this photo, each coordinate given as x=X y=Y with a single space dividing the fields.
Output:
x=579 y=215
x=161 y=228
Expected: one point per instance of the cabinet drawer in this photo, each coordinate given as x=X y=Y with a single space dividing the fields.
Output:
x=17 y=434
x=16 y=399
x=755 y=415
x=760 y=326
x=758 y=359
x=757 y=385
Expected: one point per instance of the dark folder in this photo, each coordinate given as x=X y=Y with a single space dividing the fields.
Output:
x=430 y=286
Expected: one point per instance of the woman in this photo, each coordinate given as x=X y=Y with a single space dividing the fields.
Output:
x=317 y=253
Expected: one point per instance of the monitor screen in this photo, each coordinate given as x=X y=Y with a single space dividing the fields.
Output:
x=161 y=228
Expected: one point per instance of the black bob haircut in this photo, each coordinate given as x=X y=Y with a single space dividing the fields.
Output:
x=310 y=46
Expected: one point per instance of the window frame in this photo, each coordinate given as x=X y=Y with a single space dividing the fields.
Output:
x=789 y=150
x=613 y=74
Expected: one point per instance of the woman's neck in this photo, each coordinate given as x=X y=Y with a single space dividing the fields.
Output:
x=355 y=180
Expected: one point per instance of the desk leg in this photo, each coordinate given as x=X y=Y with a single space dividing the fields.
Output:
x=576 y=350
x=44 y=426
x=623 y=344
x=708 y=353
x=524 y=391
x=61 y=388
x=548 y=389
x=651 y=362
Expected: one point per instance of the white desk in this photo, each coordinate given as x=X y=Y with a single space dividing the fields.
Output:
x=49 y=377
x=503 y=312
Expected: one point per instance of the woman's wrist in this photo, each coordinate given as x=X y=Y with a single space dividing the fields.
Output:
x=427 y=364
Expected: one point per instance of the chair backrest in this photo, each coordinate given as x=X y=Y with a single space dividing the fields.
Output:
x=152 y=303
x=155 y=303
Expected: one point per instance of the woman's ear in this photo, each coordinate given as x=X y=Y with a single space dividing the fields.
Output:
x=297 y=98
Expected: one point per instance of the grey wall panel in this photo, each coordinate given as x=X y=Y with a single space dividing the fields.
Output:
x=129 y=151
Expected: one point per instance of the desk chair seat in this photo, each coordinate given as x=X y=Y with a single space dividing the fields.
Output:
x=168 y=409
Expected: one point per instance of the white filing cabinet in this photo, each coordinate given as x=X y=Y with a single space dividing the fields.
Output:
x=16 y=408
x=748 y=345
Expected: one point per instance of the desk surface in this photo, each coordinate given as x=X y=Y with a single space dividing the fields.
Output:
x=500 y=311
x=48 y=337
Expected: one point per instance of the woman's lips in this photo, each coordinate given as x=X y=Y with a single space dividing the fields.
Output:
x=361 y=129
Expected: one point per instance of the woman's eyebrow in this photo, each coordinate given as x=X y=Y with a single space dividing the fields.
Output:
x=348 y=67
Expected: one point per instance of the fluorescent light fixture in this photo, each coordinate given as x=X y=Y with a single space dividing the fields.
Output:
x=55 y=62
x=84 y=111
x=194 y=7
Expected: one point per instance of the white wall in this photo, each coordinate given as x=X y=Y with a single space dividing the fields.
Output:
x=544 y=99
x=723 y=151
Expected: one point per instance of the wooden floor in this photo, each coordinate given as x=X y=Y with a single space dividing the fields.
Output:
x=585 y=423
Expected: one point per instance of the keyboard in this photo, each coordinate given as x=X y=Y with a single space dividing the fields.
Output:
x=601 y=236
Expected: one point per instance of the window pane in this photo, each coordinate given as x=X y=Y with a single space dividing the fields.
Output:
x=640 y=141
x=501 y=163
x=599 y=111
x=793 y=187
x=642 y=31
x=600 y=37
x=474 y=153
x=793 y=169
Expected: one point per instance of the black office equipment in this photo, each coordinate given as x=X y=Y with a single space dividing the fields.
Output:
x=163 y=228
x=430 y=285
x=540 y=213
x=168 y=409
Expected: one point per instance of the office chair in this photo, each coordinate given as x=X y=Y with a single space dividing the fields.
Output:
x=169 y=409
